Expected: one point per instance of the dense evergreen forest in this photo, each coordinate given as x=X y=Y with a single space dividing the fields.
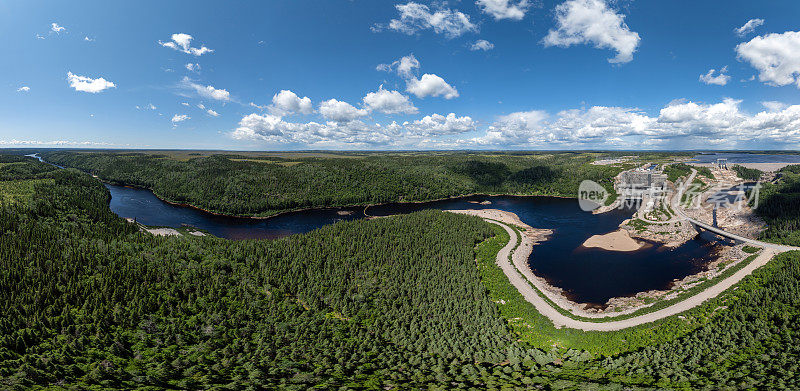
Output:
x=87 y=301
x=779 y=206
x=748 y=174
x=240 y=185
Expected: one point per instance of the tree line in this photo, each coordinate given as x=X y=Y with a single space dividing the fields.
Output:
x=232 y=184
x=89 y=301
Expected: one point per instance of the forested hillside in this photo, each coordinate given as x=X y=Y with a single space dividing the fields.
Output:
x=779 y=206
x=748 y=174
x=88 y=301
x=239 y=185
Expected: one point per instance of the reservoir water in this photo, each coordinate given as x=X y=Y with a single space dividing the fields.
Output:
x=588 y=275
x=739 y=157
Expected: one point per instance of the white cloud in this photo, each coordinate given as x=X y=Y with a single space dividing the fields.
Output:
x=593 y=22
x=775 y=56
x=431 y=85
x=87 y=39
x=23 y=89
x=193 y=67
x=504 y=9
x=209 y=92
x=185 y=104
x=212 y=113
x=181 y=42
x=415 y=17
x=681 y=118
x=39 y=36
x=482 y=44
x=201 y=106
x=405 y=66
x=389 y=102
x=720 y=79
x=54 y=27
x=256 y=126
x=340 y=111
x=681 y=124
x=257 y=106
x=287 y=102
x=748 y=27
x=87 y=84
x=271 y=128
x=438 y=125
x=179 y=118
x=774 y=105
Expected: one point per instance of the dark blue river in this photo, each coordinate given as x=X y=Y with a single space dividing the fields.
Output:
x=589 y=275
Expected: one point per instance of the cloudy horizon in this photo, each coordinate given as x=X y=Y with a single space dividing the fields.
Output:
x=358 y=75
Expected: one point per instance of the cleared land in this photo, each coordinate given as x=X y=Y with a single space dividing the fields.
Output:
x=531 y=295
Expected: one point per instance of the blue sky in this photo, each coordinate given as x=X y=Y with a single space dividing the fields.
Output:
x=360 y=74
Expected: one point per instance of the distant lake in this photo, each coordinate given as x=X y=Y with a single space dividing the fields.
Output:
x=738 y=157
x=588 y=275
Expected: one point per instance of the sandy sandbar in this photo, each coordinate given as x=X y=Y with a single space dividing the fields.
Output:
x=618 y=240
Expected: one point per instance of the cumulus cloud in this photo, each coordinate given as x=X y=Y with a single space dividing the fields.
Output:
x=404 y=67
x=23 y=89
x=593 y=22
x=182 y=43
x=351 y=134
x=415 y=17
x=748 y=27
x=514 y=129
x=54 y=27
x=389 y=102
x=482 y=44
x=438 y=125
x=595 y=125
x=212 y=113
x=87 y=39
x=287 y=102
x=776 y=57
x=340 y=111
x=774 y=105
x=720 y=79
x=679 y=124
x=209 y=92
x=273 y=129
x=193 y=67
x=179 y=118
x=430 y=85
x=265 y=127
x=87 y=84
x=504 y=9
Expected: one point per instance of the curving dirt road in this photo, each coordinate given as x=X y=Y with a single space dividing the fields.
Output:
x=559 y=320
